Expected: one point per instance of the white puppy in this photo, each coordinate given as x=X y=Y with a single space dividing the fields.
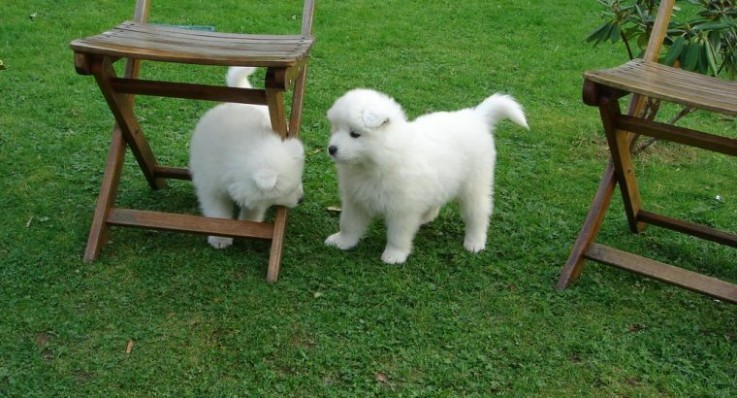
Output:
x=405 y=171
x=236 y=159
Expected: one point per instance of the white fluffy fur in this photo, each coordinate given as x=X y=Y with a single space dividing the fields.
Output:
x=405 y=171
x=236 y=159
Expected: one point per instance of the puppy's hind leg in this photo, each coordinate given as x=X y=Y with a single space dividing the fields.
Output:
x=401 y=231
x=430 y=215
x=217 y=206
x=353 y=224
x=476 y=206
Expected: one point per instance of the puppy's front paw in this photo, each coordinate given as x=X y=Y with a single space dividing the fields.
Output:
x=219 y=242
x=340 y=241
x=394 y=256
x=474 y=244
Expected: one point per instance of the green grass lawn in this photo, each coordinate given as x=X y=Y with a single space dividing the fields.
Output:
x=204 y=323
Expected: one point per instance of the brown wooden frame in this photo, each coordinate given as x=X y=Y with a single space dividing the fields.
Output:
x=646 y=78
x=285 y=59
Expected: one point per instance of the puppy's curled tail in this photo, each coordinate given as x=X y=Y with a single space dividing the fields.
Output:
x=499 y=107
x=238 y=76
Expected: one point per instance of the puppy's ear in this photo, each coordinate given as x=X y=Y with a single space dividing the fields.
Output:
x=266 y=179
x=373 y=119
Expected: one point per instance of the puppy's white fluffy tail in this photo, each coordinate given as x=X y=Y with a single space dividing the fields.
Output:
x=238 y=76
x=501 y=106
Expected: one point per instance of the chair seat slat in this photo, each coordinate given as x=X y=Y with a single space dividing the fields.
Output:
x=171 y=44
x=670 y=84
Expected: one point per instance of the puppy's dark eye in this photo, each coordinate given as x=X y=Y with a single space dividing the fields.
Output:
x=353 y=134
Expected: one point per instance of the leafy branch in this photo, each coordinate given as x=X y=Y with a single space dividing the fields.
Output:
x=705 y=43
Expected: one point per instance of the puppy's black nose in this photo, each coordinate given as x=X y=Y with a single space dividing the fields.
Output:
x=301 y=199
x=332 y=150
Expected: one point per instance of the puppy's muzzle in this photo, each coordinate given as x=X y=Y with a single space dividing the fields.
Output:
x=332 y=150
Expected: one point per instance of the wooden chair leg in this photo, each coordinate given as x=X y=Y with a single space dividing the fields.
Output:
x=111 y=178
x=595 y=217
x=619 y=146
x=591 y=226
x=277 y=113
x=106 y=199
x=122 y=108
x=295 y=117
x=275 y=101
x=277 y=244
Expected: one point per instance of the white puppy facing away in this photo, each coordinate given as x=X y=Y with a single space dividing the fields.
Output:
x=404 y=171
x=236 y=159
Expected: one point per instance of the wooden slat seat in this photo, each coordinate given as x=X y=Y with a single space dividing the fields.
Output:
x=655 y=80
x=172 y=44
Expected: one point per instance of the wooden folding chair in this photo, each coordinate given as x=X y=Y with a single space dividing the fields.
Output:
x=285 y=59
x=646 y=78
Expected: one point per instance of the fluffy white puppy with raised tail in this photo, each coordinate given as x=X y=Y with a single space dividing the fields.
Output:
x=237 y=160
x=404 y=171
